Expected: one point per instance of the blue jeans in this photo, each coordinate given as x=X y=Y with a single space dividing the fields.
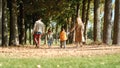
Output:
x=50 y=42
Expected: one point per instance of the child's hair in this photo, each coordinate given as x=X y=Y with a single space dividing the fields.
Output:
x=62 y=29
x=49 y=30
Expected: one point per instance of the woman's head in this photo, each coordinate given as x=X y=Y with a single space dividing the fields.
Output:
x=79 y=21
x=62 y=29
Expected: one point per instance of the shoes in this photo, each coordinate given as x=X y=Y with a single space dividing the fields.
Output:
x=37 y=46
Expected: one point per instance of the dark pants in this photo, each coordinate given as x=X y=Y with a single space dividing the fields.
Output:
x=62 y=43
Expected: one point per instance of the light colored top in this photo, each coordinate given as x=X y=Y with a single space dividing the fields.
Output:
x=39 y=26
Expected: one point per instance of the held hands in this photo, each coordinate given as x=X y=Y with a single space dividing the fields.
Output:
x=68 y=33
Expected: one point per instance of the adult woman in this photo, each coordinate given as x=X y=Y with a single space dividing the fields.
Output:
x=79 y=30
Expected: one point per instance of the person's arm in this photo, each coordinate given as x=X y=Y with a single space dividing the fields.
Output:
x=43 y=27
x=82 y=33
x=73 y=28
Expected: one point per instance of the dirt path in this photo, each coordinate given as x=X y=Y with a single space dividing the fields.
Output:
x=55 y=51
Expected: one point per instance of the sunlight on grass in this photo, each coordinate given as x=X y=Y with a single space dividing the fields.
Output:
x=109 y=61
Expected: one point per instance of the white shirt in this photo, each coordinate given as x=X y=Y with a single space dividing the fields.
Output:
x=39 y=26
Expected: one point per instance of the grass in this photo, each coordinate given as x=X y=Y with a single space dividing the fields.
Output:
x=108 y=61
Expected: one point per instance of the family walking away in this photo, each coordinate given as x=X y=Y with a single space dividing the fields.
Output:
x=39 y=27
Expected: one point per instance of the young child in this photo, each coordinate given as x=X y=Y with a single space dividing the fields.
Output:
x=49 y=37
x=63 y=38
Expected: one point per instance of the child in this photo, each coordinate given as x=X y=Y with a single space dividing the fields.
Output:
x=63 y=38
x=50 y=37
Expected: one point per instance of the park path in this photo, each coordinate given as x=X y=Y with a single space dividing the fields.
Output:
x=55 y=51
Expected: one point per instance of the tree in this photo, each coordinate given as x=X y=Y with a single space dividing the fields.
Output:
x=97 y=23
x=116 y=33
x=4 y=24
x=21 y=23
x=84 y=11
x=0 y=21
x=107 y=26
x=87 y=19
x=13 y=24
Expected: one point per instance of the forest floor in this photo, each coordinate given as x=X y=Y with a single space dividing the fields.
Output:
x=29 y=51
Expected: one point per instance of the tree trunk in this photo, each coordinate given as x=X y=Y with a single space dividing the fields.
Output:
x=22 y=24
x=87 y=18
x=13 y=24
x=97 y=24
x=30 y=35
x=45 y=41
x=84 y=11
x=74 y=19
x=72 y=34
x=116 y=34
x=0 y=22
x=26 y=35
x=4 y=24
x=67 y=27
x=56 y=35
x=77 y=9
x=107 y=26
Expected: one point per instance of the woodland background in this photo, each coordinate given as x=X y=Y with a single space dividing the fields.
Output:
x=101 y=19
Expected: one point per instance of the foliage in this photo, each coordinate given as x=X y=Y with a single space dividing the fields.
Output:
x=50 y=10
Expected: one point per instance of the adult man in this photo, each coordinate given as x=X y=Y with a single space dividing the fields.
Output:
x=38 y=30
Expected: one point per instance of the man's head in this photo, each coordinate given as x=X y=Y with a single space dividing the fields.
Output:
x=39 y=18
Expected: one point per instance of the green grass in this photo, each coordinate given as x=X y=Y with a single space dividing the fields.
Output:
x=108 y=61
